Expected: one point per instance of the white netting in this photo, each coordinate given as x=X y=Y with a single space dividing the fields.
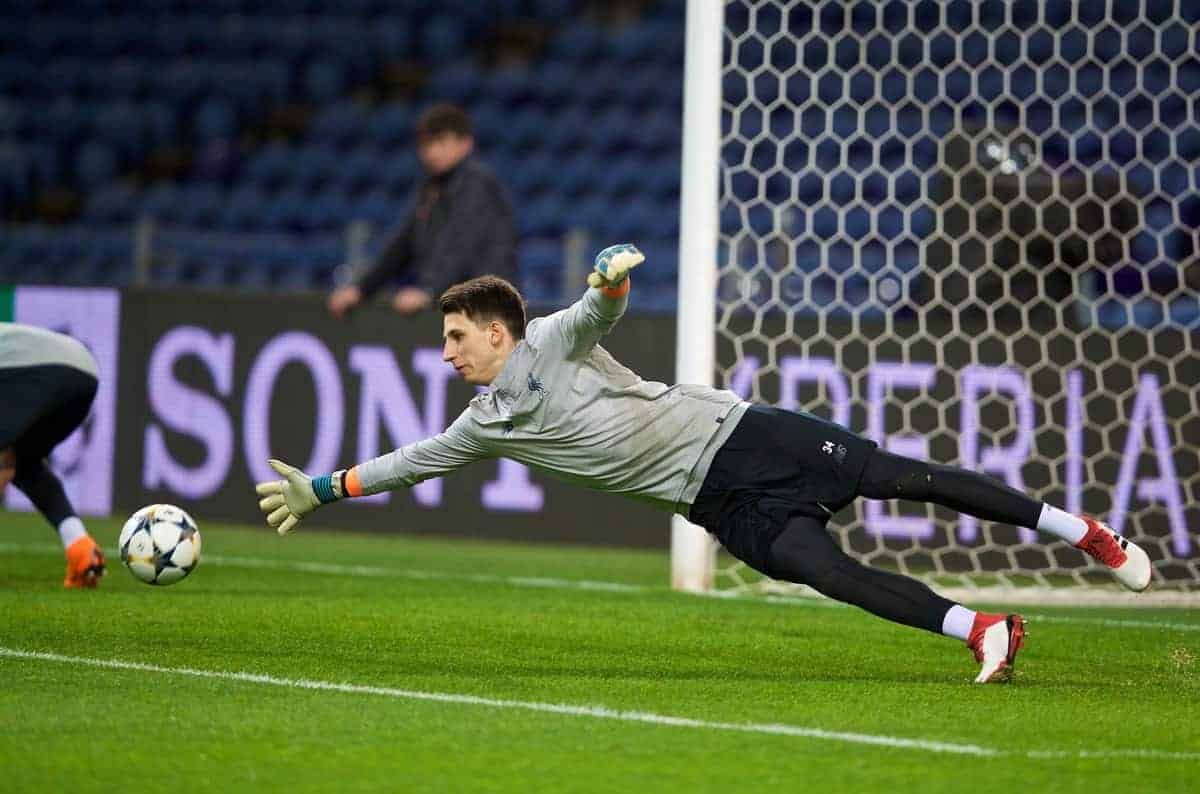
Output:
x=969 y=229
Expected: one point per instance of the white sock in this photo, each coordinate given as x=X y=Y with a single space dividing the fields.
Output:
x=70 y=530
x=1061 y=523
x=958 y=622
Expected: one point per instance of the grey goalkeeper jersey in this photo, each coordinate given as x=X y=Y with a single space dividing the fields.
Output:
x=29 y=346
x=564 y=406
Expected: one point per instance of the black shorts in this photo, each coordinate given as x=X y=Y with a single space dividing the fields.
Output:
x=777 y=465
x=42 y=405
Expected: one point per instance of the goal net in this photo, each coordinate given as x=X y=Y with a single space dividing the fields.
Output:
x=967 y=230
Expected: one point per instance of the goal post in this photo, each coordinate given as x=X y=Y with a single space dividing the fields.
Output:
x=969 y=231
x=693 y=553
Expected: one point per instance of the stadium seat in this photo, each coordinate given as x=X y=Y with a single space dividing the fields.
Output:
x=270 y=168
x=391 y=126
x=200 y=206
x=379 y=208
x=286 y=211
x=215 y=118
x=324 y=81
x=442 y=38
x=459 y=82
x=581 y=42
x=312 y=167
x=95 y=164
x=243 y=209
x=112 y=204
x=341 y=125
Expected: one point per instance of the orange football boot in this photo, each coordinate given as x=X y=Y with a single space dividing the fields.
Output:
x=85 y=563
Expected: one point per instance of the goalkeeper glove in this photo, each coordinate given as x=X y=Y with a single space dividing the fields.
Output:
x=613 y=264
x=288 y=500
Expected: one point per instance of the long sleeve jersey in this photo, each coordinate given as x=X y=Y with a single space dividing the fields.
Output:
x=564 y=406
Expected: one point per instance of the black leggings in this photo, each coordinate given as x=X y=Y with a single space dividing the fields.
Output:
x=42 y=406
x=44 y=489
x=806 y=553
x=888 y=476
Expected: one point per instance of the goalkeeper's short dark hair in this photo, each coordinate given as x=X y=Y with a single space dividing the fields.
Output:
x=442 y=118
x=487 y=298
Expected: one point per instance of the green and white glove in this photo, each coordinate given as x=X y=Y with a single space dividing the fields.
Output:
x=288 y=500
x=613 y=264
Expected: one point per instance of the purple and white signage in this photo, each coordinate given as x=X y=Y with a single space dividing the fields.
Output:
x=976 y=383
x=389 y=415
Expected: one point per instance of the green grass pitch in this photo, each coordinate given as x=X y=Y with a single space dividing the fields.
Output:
x=325 y=662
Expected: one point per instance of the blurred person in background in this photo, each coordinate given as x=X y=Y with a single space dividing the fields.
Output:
x=47 y=384
x=460 y=223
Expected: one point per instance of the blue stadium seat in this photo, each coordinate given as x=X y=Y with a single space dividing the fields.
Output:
x=95 y=164
x=511 y=87
x=341 y=125
x=393 y=37
x=529 y=175
x=112 y=204
x=327 y=211
x=400 y=171
x=459 y=82
x=324 y=81
x=215 y=118
x=162 y=203
x=592 y=213
x=633 y=218
x=634 y=44
x=392 y=126
x=542 y=217
x=312 y=167
x=379 y=208
x=660 y=178
x=285 y=211
x=576 y=177
x=128 y=79
x=541 y=267
x=16 y=171
x=581 y=42
x=201 y=206
x=442 y=38
x=271 y=167
x=604 y=85
x=566 y=129
x=244 y=208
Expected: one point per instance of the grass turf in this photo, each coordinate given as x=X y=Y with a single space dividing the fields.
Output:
x=510 y=622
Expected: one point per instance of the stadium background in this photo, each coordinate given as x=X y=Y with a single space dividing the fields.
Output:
x=263 y=148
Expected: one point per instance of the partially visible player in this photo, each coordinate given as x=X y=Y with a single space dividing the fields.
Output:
x=47 y=384
x=763 y=481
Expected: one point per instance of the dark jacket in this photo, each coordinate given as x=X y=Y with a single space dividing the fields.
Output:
x=460 y=225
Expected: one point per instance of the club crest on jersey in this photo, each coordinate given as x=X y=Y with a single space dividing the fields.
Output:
x=534 y=385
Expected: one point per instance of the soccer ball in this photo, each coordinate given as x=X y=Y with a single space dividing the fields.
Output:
x=160 y=544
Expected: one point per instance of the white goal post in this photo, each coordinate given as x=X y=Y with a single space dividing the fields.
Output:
x=967 y=230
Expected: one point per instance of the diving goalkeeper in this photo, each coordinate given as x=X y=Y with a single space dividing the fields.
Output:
x=762 y=480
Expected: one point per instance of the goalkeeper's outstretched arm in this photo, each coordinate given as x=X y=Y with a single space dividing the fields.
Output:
x=580 y=326
x=285 y=502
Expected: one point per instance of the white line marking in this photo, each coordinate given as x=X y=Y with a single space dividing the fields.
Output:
x=335 y=569
x=810 y=601
x=598 y=712
x=601 y=712
x=1116 y=622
